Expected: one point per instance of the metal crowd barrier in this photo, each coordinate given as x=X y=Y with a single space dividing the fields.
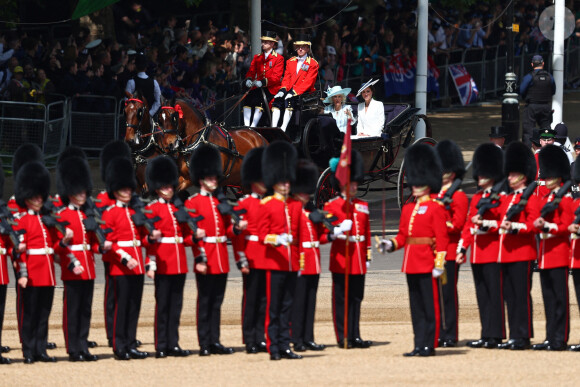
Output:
x=94 y=121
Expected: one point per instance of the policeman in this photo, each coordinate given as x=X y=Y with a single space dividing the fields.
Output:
x=537 y=89
x=265 y=74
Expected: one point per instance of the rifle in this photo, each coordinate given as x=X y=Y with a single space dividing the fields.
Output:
x=139 y=217
x=317 y=216
x=519 y=207
x=447 y=199
x=553 y=205
x=93 y=221
x=226 y=207
x=492 y=200
x=6 y=223
x=49 y=218
x=183 y=215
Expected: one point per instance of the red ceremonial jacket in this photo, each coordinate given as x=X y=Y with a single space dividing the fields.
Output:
x=555 y=244
x=269 y=71
x=248 y=241
x=39 y=265
x=574 y=256
x=359 y=243
x=484 y=240
x=5 y=249
x=104 y=201
x=521 y=246
x=456 y=215
x=82 y=246
x=217 y=228
x=170 y=251
x=302 y=81
x=311 y=237
x=132 y=238
x=279 y=216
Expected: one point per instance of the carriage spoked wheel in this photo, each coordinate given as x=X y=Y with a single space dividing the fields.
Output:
x=324 y=190
x=404 y=192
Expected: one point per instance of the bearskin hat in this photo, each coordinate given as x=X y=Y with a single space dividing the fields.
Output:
x=306 y=177
x=32 y=179
x=553 y=163
x=205 y=161
x=423 y=167
x=252 y=167
x=451 y=158
x=116 y=148
x=519 y=158
x=71 y=151
x=119 y=175
x=279 y=162
x=72 y=177
x=161 y=171
x=25 y=153
x=576 y=172
x=488 y=162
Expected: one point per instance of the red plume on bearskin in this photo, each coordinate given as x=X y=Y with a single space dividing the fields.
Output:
x=279 y=162
x=553 y=163
x=32 y=179
x=205 y=161
x=519 y=158
x=488 y=162
x=423 y=167
x=160 y=172
x=252 y=167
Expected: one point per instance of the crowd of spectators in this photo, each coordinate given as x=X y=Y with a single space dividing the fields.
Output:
x=205 y=62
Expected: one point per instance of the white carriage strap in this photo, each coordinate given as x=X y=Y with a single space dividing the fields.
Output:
x=215 y=239
x=132 y=243
x=47 y=250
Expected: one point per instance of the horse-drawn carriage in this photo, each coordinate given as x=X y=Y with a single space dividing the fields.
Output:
x=181 y=127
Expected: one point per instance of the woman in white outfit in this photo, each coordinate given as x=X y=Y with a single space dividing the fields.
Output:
x=341 y=112
x=371 y=113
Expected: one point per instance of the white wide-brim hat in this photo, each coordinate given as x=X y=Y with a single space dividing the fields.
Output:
x=335 y=90
x=368 y=84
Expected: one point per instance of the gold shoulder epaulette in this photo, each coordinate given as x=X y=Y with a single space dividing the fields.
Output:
x=266 y=199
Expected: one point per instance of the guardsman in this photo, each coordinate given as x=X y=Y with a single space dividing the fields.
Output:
x=126 y=266
x=74 y=185
x=167 y=259
x=35 y=271
x=22 y=155
x=423 y=233
x=553 y=258
x=310 y=237
x=547 y=137
x=517 y=244
x=265 y=74
x=481 y=234
x=299 y=78
x=5 y=250
x=249 y=255
x=211 y=271
x=354 y=225
x=278 y=231
x=574 y=229
x=453 y=171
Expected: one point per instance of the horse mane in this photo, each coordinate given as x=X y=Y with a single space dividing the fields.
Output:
x=196 y=111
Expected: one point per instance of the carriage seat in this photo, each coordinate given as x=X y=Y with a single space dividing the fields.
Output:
x=393 y=115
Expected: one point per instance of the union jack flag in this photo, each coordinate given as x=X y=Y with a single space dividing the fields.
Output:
x=465 y=85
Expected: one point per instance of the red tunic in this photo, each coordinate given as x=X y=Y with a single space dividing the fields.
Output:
x=423 y=233
x=302 y=81
x=82 y=245
x=456 y=215
x=14 y=207
x=104 y=201
x=269 y=71
x=484 y=240
x=555 y=244
x=311 y=237
x=359 y=243
x=5 y=248
x=574 y=255
x=216 y=228
x=248 y=240
x=521 y=246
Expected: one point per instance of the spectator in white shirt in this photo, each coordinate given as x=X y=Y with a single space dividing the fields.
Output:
x=371 y=113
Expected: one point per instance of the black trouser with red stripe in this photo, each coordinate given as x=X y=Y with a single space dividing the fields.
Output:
x=450 y=303
x=280 y=287
x=109 y=303
x=356 y=291
x=424 y=297
x=3 y=289
x=211 y=289
x=254 y=306
x=556 y=304
x=168 y=306
x=487 y=279
x=303 y=309
x=77 y=310
x=36 y=307
x=128 y=291
x=576 y=278
x=517 y=288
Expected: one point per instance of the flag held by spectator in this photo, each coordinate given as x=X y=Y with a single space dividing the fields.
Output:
x=465 y=85
x=343 y=168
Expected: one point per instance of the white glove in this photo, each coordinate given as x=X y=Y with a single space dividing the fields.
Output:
x=346 y=225
x=283 y=239
x=336 y=232
x=279 y=95
x=288 y=96
x=437 y=272
x=249 y=83
x=258 y=83
x=385 y=245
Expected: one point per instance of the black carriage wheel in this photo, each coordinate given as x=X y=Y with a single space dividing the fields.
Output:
x=309 y=145
x=324 y=191
x=404 y=193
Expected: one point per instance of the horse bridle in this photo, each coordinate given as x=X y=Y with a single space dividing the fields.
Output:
x=141 y=154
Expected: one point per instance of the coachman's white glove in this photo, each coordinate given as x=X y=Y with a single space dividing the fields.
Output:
x=288 y=96
x=279 y=95
x=249 y=83
x=258 y=83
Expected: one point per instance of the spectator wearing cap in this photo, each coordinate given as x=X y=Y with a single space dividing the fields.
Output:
x=497 y=136
x=16 y=89
x=537 y=89
x=562 y=140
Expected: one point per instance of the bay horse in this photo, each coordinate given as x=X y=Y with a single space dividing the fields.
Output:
x=183 y=127
x=139 y=137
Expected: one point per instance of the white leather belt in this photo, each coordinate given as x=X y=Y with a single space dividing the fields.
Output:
x=171 y=240
x=81 y=247
x=133 y=243
x=541 y=182
x=253 y=238
x=308 y=245
x=47 y=250
x=353 y=238
x=2 y=251
x=215 y=239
